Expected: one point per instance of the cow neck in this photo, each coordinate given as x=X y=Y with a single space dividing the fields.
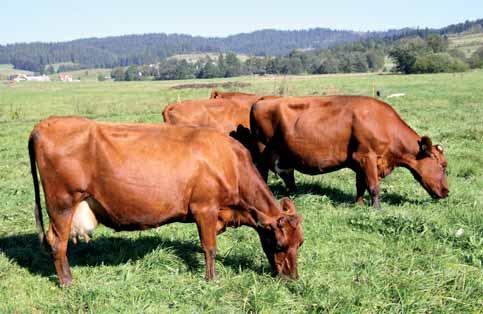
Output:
x=260 y=202
x=409 y=143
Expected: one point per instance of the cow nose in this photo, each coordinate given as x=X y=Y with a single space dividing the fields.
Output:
x=444 y=192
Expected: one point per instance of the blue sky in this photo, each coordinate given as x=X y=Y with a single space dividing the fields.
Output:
x=55 y=20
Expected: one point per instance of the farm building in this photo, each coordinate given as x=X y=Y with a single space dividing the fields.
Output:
x=65 y=77
x=23 y=77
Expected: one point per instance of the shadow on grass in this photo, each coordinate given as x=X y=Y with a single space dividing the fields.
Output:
x=26 y=252
x=336 y=195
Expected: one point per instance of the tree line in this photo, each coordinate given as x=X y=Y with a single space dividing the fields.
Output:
x=122 y=51
x=411 y=55
x=351 y=59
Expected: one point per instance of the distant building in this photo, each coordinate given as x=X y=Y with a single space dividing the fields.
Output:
x=17 y=77
x=43 y=78
x=23 y=77
x=65 y=77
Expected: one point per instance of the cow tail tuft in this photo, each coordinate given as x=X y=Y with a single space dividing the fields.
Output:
x=38 y=209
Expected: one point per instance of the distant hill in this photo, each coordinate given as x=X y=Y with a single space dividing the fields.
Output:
x=151 y=48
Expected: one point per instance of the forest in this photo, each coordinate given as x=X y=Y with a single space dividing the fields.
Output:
x=312 y=51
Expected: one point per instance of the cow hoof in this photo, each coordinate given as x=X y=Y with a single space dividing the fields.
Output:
x=66 y=282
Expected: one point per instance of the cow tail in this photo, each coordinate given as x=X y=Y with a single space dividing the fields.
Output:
x=38 y=209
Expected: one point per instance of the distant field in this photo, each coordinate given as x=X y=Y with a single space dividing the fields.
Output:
x=85 y=74
x=193 y=57
x=404 y=259
x=7 y=69
x=468 y=43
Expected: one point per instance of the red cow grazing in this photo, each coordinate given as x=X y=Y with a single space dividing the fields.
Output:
x=322 y=134
x=243 y=98
x=223 y=115
x=227 y=112
x=139 y=176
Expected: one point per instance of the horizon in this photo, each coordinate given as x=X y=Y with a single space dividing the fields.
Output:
x=240 y=33
x=39 y=22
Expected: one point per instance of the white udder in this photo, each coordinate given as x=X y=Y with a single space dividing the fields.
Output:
x=84 y=221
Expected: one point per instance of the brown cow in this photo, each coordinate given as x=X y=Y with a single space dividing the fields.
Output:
x=242 y=98
x=322 y=134
x=223 y=115
x=227 y=112
x=139 y=176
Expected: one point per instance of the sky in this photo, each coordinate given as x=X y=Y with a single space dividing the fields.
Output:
x=55 y=20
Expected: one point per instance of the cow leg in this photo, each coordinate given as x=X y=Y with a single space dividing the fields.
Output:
x=361 y=187
x=368 y=164
x=206 y=221
x=289 y=180
x=58 y=238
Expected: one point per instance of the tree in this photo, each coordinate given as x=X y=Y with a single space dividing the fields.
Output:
x=185 y=70
x=437 y=43
x=50 y=70
x=132 y=73
x=118 y=74
x=476 y=59
x=232 y=65
x=375 y=59
x=329 y=65
x=406 y=51
x=209 y=70
x=221 y=65
x=167 y=70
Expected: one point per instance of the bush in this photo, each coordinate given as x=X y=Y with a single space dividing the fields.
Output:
x=101 y=77
x=132 y=74
x=476 y=59
x=438 y=63
x=118 y=74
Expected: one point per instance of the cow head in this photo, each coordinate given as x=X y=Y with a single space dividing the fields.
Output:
x=430 y=168
x=215 y=94
x=281 y=240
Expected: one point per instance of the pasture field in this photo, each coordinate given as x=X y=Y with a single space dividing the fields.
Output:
x=406 y=258
x=466 y=42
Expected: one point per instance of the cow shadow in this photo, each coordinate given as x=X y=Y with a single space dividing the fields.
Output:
x=336 y=195
x=26 y=252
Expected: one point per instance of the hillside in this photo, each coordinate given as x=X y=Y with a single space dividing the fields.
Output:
x=468 y=43
x=151 y=48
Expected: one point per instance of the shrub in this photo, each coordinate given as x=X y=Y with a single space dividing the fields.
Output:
x=438 y=63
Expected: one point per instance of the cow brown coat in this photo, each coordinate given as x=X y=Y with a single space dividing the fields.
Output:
x=322 y=134
x=139 y=176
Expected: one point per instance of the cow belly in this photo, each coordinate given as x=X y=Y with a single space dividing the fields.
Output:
x=84 y=221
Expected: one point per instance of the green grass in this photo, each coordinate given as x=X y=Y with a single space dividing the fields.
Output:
x=404 y=259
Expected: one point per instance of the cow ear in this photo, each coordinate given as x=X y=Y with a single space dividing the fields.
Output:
x=288 y=206
x=214 y=94
x=425 y=145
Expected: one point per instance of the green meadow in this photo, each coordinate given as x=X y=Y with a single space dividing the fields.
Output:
x=407 y=258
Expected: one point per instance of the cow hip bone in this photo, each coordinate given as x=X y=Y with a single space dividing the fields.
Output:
x=83 y=222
